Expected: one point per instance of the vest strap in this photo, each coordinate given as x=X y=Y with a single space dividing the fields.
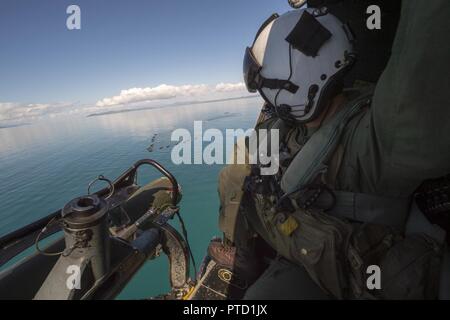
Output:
x=369 y=208
x=313 y=157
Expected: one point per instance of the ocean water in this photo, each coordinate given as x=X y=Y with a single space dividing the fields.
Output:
x=44 y=165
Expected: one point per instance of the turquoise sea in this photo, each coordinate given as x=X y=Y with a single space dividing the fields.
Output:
x=46 y=164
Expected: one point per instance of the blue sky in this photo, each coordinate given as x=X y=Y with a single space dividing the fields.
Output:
x=122 y=44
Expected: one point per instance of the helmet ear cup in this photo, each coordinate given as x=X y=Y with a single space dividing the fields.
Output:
x=333 y=87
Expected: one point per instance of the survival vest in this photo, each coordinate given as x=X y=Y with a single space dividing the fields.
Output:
x=339 y=235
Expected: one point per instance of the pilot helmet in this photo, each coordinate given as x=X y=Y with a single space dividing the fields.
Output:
x=298 y=60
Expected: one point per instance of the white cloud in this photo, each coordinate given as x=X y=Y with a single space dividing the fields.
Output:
x=228 y=87
x=12 y=113
x=164 y=91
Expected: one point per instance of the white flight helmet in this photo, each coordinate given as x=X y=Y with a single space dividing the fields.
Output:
x=297 y=62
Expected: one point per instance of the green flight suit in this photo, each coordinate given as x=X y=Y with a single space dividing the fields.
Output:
x=403 y=139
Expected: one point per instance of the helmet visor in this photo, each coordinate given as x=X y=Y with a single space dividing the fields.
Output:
x=251 y=70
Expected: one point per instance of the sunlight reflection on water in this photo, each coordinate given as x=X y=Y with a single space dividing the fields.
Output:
x=44 y=165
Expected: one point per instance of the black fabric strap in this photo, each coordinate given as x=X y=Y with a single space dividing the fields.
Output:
x=370 y=208
x=308 y=35
x=278 y=84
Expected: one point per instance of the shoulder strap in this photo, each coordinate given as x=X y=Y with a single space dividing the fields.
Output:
x=312 y=158
x=369 y=208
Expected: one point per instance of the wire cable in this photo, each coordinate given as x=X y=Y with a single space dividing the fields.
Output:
x=38 y=238
x=185 y=235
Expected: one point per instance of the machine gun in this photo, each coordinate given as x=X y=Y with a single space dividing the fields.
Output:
x=107 y=237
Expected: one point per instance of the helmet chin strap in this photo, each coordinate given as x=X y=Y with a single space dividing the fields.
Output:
x=284 y=112
x=286 y=108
